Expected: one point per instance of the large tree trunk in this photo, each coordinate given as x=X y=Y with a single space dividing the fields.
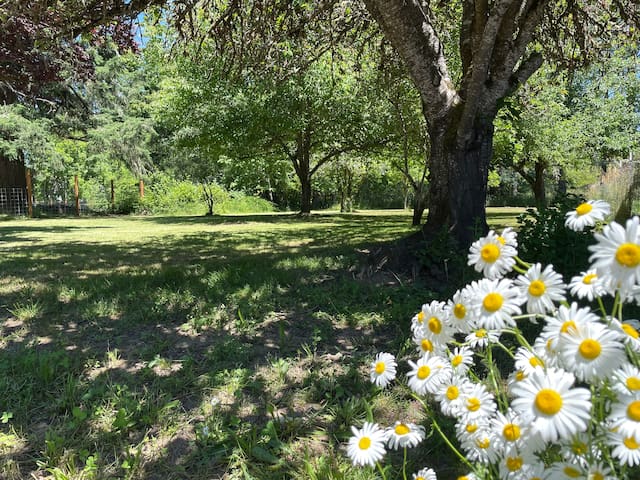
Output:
x=459 y=169
x=494 y=56
x=305 y=195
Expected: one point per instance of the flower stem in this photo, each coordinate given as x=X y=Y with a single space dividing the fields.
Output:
x=384 y=477
x=404 y=465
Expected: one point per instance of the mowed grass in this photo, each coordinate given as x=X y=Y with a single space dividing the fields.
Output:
x=198 y=348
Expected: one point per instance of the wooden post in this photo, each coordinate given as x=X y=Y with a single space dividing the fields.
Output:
x=76 y=191
x=113 y=196
x=141 y=188
x=29 y=192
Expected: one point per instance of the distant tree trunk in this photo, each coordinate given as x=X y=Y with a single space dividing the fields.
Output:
x=538 y=187
x=625 y=210
x=302 y=164
x=419 y=206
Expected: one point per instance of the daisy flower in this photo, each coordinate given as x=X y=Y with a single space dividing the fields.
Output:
x=366 y=446
x=508 y=237
x=451 y=393
x=425 y=474
x=481 y=337
x=630 y=331
x=600 y=471
x=515 y=464
x=566 y=471
x=625 y=415
x=541 y=288
x=591 y=352
x=477 y=403
x=458 y=309
x=513 y=433
x=383 y=369
x=587 y=214
x=427 y=374
x=435 y=325
x=624 y=447
x=494 y=303
x=555 y=410
x=461 y=359
x=480 y=446
x=403 y=435
x=527 y=361
x=428 y=311
x=566 y=320
x=580 y=447
x=586 y=285
x=626 y=380
x=491 y=257
x=616 y=256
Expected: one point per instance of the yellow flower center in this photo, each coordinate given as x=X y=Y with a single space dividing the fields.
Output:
x=630 y=443
x=566 y=326
x=456 y=360
x=536 y=362
x=490 y=253
x=402 y=429
x=597 y=476
x=481 y=333
x=364 y=443
x=471 y=427
x=492 y=302
x=380 y=368
x=473 y=404
x=628 y=255
x=579 y=448
x=588 y=278
x=463 y=477
x=483 y=443
x=420 y=317
x=520 y=375
x=537 y=288
x=426 y=345
x=583 y=209
x=452 y=392
x=633 y=411
x=419 y=478
x=435 y=325
x=511 y=432
x=459 y=311
x=629 y=330
x=590 y=349
x=502 y=240
x=514 y=464
x=571 y=472
x=424 y=372
x=633 y=383
x=548 y=401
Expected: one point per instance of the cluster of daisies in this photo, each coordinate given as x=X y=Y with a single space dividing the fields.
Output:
x=570 y=407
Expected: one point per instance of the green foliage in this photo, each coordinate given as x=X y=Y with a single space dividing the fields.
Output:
x=543 y=236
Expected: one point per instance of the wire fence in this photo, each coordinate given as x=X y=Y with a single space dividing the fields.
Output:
x=13 y=201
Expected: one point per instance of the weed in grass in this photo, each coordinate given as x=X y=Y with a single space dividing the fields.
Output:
x=27 y=310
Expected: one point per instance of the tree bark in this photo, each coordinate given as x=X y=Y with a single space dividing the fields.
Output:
x=538 y=187
x=494 y=37
x=419 y=206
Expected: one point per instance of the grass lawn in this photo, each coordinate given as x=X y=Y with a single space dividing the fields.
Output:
x=198 y=348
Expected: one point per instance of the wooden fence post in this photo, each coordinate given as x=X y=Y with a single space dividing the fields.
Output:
x=76 y=192
x=141 y=188
x=113 y=196
x=29 y=193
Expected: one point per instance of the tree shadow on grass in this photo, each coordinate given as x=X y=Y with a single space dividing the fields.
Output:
x=186 y=319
